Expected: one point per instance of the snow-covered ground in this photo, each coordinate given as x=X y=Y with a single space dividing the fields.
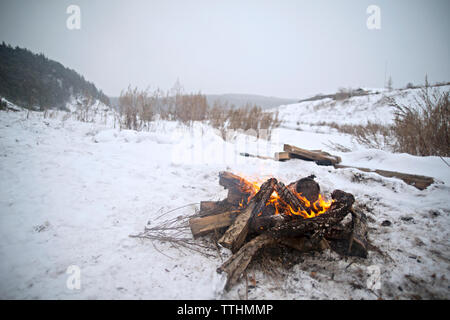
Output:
x=72 y=192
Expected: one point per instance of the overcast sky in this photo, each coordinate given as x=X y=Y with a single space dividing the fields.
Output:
x=278 y=48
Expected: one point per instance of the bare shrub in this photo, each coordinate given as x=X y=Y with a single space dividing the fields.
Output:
x=343 y=94
x=250 y=118
x=83 y=108
x=3 y=104
x=423 y=128
x=372 y=135
x=136 y=108
x=420 y=128
x=190 y=108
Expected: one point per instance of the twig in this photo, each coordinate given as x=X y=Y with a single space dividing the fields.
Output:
x=187 y=205
x=444 y=161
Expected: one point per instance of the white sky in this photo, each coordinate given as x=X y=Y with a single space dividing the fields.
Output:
x=278 y=48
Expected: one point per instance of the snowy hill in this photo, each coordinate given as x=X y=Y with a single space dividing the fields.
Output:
x=373 y=107
x=36 y=82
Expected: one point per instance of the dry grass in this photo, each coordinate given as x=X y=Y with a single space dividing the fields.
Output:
x=372 y=135
x=137 y=108
x=423 y=128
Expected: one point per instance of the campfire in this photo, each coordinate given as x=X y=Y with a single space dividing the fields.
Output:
x=297 y=215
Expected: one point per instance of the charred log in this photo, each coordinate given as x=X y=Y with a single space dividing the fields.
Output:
x=289 y=197
x=235 y=236
x=238 y=190
x=238 y=262
x=204 y=225
x=308 y=188
x=320 y=224
x=358 y=237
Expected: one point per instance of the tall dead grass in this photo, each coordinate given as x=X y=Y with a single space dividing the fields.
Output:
x=420 y=127
x=139 y=107
x=423 y=128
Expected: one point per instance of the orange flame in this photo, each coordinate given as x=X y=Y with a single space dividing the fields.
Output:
x=320 y=206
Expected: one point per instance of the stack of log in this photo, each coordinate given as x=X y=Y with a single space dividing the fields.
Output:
x=247 y=222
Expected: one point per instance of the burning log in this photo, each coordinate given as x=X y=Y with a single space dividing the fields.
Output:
x=319 y=224
x=288 y=197
x=239 y=190
x=235 y=236
x=308 y=188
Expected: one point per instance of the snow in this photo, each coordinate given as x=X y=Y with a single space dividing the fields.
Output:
x=73 y=192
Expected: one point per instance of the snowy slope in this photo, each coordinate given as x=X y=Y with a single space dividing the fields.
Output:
x=73 y=192
x=355 y=110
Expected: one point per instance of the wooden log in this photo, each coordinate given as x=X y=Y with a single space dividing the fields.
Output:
x=238 y=262
x=420 y=182
x=209 y=205
x=320 y=157
x=239 y=190
x=358 y=238
x=282 y=156
x=320 y=224
x=208 y=208
x=235 y=236
x=203 y=225
x=265 y=222
x=248 y=155
x=339 y=232
x=229 y=180
x=308 y=188
x=304 y=244
x=289 y=197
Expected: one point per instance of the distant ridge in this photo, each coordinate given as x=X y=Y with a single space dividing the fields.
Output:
x=240 y=100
